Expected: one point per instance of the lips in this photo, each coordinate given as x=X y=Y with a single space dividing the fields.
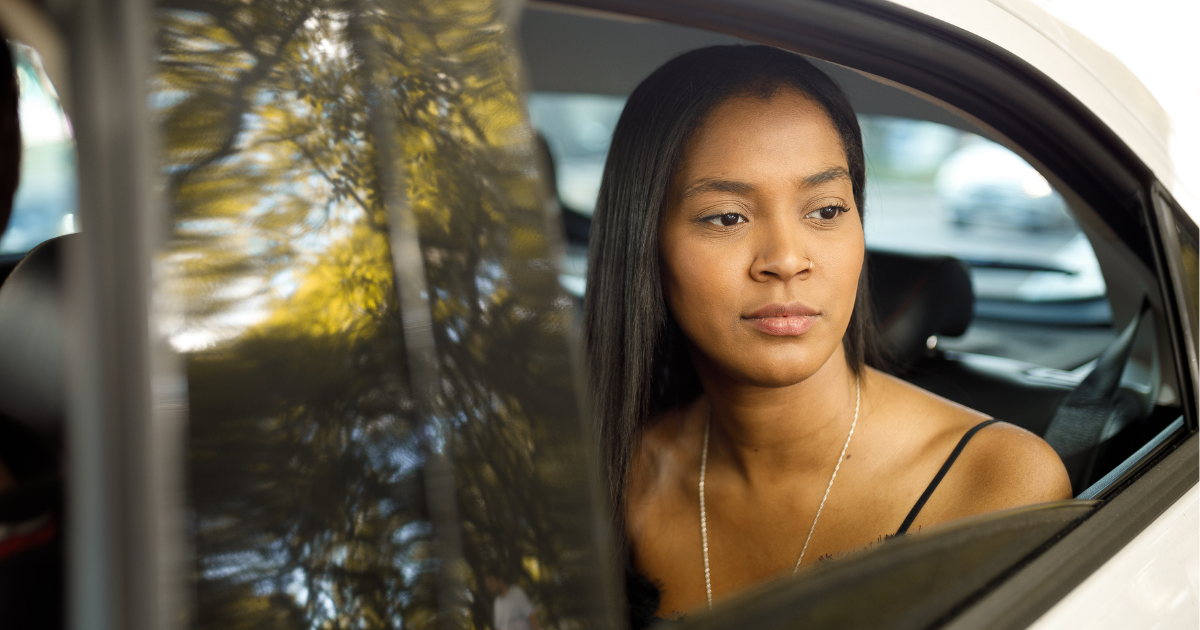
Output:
x=783 y=320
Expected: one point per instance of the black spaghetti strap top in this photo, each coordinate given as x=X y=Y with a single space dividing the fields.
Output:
x=916 y=509
x=643 y=596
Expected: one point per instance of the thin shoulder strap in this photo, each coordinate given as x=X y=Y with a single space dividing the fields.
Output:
x=912 y=515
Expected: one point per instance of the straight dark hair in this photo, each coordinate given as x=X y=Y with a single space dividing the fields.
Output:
x=637 y=355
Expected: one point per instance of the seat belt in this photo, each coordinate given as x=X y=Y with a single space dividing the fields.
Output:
x=1096 y=409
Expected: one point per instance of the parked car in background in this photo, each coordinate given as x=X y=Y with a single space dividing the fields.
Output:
x=985 y=183
x=319 y=346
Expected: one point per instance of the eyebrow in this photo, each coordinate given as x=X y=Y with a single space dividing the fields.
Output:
x=826 y=175
x=709 y=184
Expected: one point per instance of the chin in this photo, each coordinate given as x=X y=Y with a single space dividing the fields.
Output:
x=769 y=371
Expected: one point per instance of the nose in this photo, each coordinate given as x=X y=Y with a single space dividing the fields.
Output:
x=782 y=255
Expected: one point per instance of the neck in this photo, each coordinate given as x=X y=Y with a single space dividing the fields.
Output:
x=774 y=434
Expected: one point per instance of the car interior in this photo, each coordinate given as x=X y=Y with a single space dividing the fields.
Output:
x=1033 y=363
x=1093 y=375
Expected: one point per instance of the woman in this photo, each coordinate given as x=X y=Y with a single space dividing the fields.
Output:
x=746 y=432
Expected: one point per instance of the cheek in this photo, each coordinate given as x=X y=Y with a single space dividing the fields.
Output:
x=697 y=281
x=840 y=262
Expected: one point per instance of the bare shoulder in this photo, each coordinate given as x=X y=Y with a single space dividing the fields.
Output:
x=1001 y=466
x=1007 y=466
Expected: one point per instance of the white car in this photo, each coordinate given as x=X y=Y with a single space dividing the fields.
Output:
x=318 y=368
x=987 y=183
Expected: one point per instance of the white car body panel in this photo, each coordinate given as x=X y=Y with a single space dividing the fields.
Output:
x=1094 y=76
x=1150 y=583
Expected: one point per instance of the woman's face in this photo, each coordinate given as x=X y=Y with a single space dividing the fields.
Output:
x=761 y=243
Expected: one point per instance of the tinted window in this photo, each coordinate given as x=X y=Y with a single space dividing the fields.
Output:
x=361 y=283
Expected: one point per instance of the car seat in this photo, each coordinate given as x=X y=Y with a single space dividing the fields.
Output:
x=915 y=298
x=919 y=297
x=1089 y=418
x=31 y=428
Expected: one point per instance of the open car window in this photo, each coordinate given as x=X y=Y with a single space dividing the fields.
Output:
x=320 y=334
x=932 y=189
x=320 y=344
x=1051 y=301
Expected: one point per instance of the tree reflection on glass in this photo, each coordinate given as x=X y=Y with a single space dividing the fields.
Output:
x=307 y=446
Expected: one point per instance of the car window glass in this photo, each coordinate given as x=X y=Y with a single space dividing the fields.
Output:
x=359 y=280
x=44 y=206
x=578 y=128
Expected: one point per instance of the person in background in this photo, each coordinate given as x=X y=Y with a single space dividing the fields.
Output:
x=512 y=609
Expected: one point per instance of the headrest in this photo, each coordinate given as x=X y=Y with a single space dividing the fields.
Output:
x=31 y=339
x=916 y=297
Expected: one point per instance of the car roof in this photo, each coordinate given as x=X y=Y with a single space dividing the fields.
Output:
x=572 y=50
x=568 y=52
x=1094 y=76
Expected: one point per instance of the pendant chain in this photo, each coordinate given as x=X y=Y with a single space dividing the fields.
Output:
x=813 y=528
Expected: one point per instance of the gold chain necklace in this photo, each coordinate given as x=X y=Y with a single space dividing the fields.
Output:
x=704 y=517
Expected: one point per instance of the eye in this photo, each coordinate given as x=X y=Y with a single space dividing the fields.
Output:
x=827 y=213
x=726 y=220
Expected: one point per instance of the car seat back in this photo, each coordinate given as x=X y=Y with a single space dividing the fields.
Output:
x=915 y=298
x=32 y=406
x=31 y=340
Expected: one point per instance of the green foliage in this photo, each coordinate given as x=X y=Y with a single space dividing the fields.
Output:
x=306 y=447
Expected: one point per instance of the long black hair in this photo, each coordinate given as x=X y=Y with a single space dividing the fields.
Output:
x=636 y=353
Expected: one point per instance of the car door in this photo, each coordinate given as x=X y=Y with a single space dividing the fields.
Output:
x=321 y=367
